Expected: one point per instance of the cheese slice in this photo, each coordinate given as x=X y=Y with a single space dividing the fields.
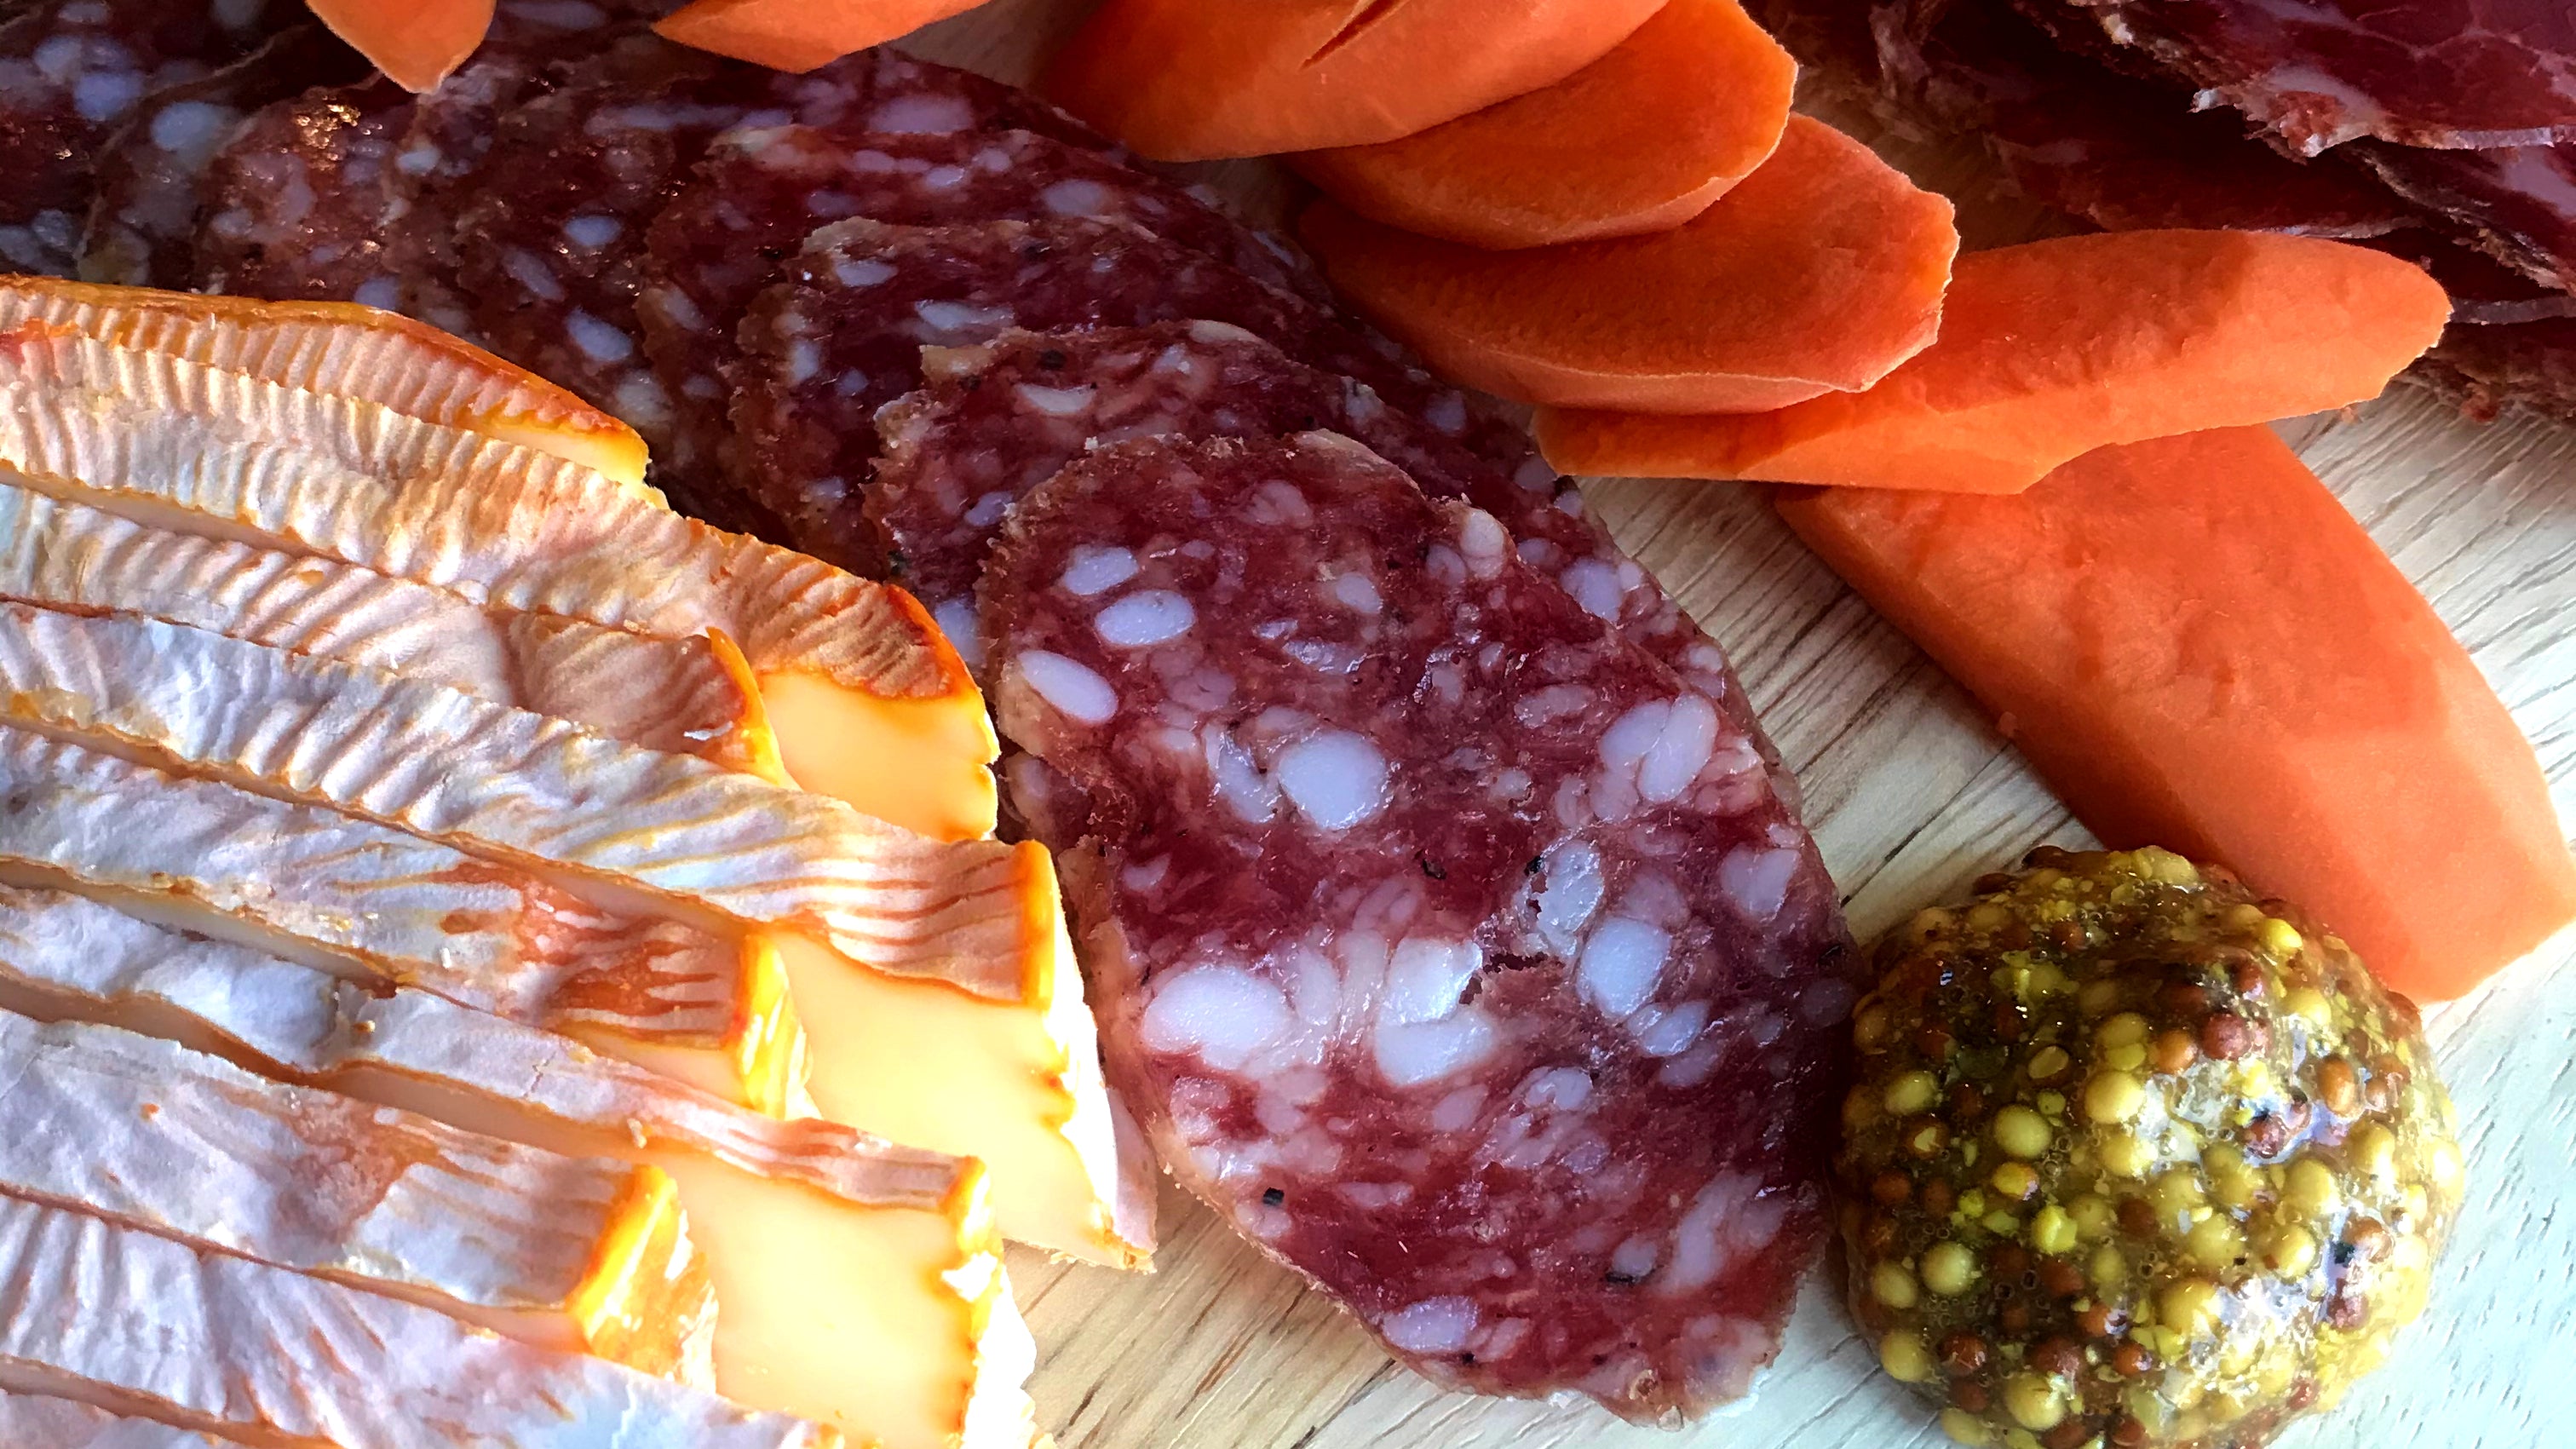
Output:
x=184 y=1334
x=577 y=1254
x=344 y=350
x=688 y=696
x=870 y=701
x=532 y=790
x=381 y=906
x=35 y=1421
x=856 y=1282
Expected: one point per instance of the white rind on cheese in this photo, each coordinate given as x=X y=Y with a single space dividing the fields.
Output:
x=116 y=1315
x=528 y=789
x=38 y=1421
x=871 y=702
x=156 y=1136
x=343 y=350
x=858 y=1283
x=664 y=694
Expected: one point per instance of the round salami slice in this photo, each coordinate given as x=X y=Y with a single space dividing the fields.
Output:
x=143 y=223
x=995 y=421
x=71 y=75
x=551 y=247
x=760 y=192
x=295 y=204
x=841 y=337
x=1445 y=942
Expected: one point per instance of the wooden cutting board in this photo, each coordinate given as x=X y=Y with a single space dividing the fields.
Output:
x=1912 y=795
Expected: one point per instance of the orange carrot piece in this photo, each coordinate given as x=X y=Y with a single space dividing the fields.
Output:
x=799 y=35
x=1823 y=270
x=1639 y=141
x=2197 y=647
x=2054 y=348
x=416 y=43
x=1194 y=80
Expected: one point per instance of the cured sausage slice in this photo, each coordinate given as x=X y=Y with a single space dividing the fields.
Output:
x=841 y=337
x=998 y=420
x=1444 y=941
x=551 y=249
x=70 y=75
x=760 y=192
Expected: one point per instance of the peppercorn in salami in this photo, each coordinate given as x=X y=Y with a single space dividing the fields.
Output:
x=2137 y=1158
x=1448 y=944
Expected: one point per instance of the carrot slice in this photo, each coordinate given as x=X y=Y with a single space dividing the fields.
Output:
x=799 y=35
x=1193 y=80
x=2057 y=347
x=1823 y=270
x=1639 y=141
x=2197 y=647
x=416 y=43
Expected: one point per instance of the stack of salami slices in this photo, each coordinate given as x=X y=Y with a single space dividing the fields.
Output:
x=1450 y=922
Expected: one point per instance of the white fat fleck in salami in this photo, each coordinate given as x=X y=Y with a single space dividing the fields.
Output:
x=1507 y=1026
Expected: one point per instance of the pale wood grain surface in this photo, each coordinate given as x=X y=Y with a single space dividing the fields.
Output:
x=1911 y=795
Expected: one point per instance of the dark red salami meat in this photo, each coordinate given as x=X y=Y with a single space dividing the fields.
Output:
x=295 y=205
x=996 y=421
x=551 y=248
x=759 y=193
x=823 y=350
x=1444 y=942
x=2453 y=73
x=151 y=176
x=71 y=74
x=2517 y=203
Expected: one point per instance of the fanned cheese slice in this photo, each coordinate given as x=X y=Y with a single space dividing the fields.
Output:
x=687 y=696
x=36 y=1421
x=537 y=792
x=186 y=1335
x=577 y=1254
x=870 y=702
x=381 y=906
x=856 y=1282
x=343 y=350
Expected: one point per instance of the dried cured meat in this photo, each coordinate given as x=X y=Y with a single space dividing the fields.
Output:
x=999 y=420
x=551 y=248
x=1445 y=942
x=294 y=208
x=2517 y=203
x=70 y=74
x=842 y=336
x=760 y=192
x=2449 y=73
x=143 y=224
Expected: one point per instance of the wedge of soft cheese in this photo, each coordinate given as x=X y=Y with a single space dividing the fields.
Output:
x=532 y=790
x=381 y=906
x=39 y=1421
x=345 y=351
x=1016 y=1084
x=577 y=1254
x=687 y=696
x=205 y=1340
x=857 y=1283
x=870 y=702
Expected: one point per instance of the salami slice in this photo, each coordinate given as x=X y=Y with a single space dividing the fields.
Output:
x=70 y=75
x=995 y=421
x=760 y=192
x=1443 y=941
x=143 y=223
x=295 y=205
x=841 y=337
x=552 y=246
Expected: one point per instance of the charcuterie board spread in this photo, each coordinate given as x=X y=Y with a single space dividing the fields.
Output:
x=1182 y=722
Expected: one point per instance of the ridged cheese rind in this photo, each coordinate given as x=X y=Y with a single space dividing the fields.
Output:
x=344 y=350
x=181 y=445
x=529 y=789
x=352 y=896
x=241 y=1346
x=157 y=1136
x=38 y=1421
x=664 y=694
